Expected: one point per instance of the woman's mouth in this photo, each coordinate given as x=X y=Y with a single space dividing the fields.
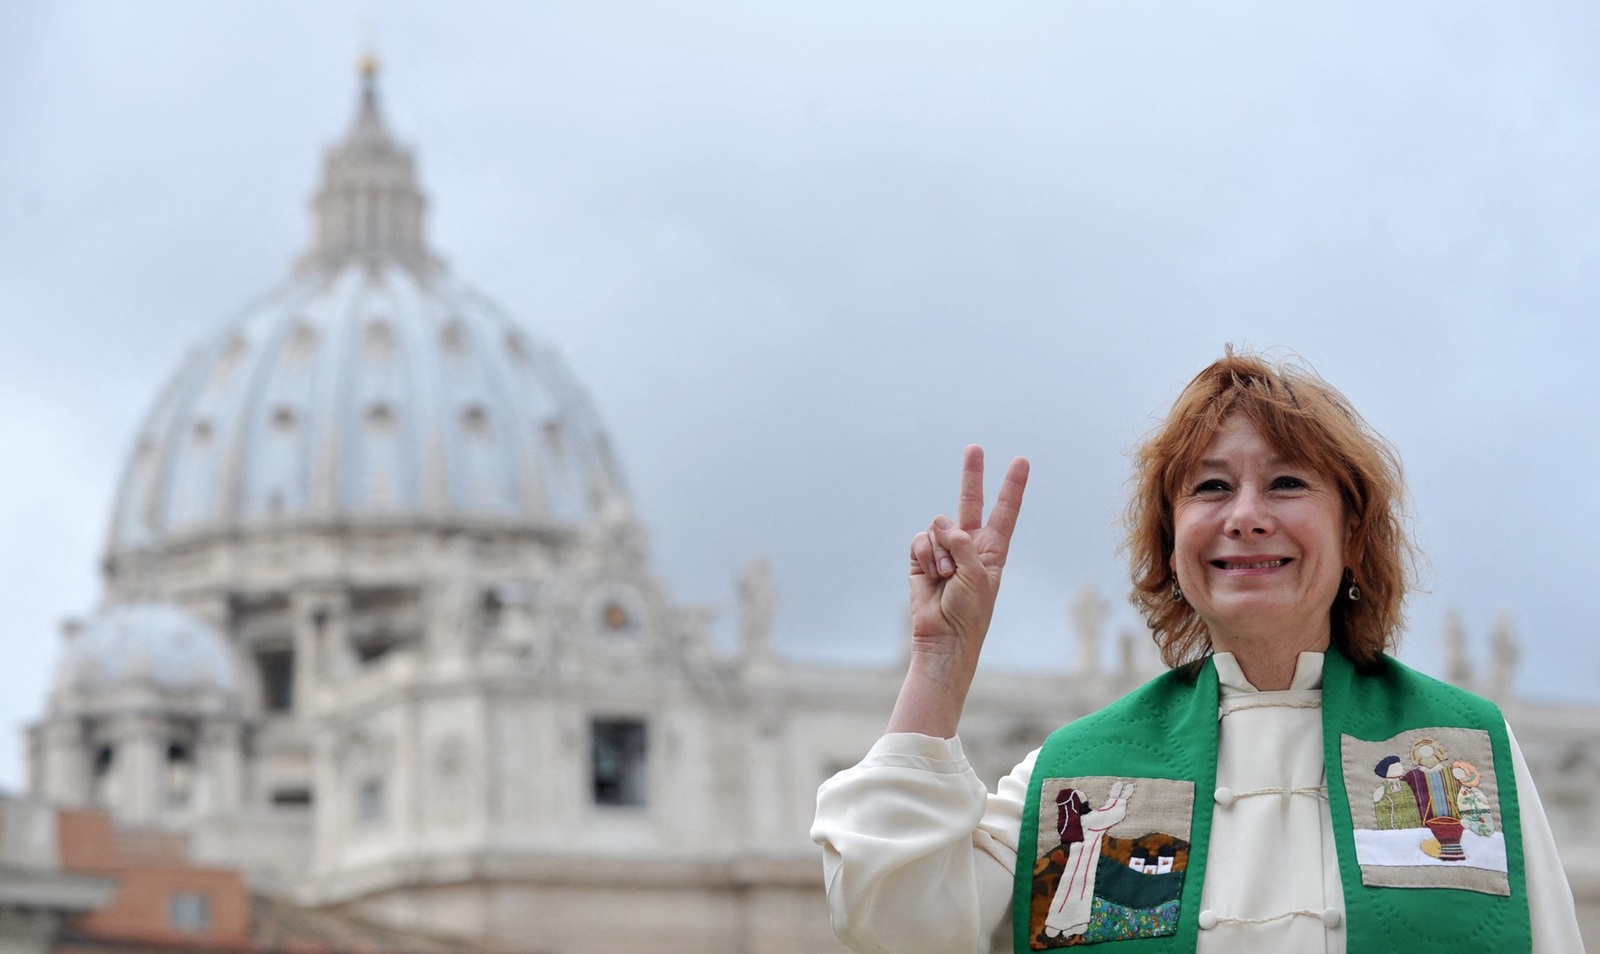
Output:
x=1251 y=565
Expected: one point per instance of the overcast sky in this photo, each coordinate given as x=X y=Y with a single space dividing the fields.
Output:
x=801 y=254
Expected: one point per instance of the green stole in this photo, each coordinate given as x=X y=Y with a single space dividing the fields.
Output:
x=1167 y=729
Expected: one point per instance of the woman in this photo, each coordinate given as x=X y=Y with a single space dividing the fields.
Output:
x=1270 y=562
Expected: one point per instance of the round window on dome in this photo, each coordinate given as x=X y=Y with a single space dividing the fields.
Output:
x=553 y=441
x=475 y=420
x=454 y=337
x=381 y=418
x=232 y=353
x=380 y=338
x=518 y=346
x=302 y=341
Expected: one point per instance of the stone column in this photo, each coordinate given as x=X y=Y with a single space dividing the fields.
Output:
x=758 y=599
x=139 y=769
x=1088 y=621
x=332 y=654
x=331 y=804
x=1507 y=650
x=407 y=771
x=221 y=763
x=450 y=611
x=61 y=762
x=1457 y=664
x=308 y=613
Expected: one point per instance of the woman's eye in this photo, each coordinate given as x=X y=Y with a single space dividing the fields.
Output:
x=1289 y=483
x=1212 y=486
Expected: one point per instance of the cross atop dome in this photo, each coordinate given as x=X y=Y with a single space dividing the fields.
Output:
x=370 y=206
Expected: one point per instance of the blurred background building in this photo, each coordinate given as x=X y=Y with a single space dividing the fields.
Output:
x=382 y=662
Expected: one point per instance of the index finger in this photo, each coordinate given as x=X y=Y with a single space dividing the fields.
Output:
x=1003 y=518
x=969 y=507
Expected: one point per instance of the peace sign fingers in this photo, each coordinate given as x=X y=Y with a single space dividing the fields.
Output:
x=1003 y=518
x=969 y=506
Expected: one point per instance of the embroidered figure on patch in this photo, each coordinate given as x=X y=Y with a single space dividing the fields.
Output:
x=1069 y=909
x=1112 y=857
x=1474 y=805
x=1394 y=802
x=1431 y=822
x=1436 y=789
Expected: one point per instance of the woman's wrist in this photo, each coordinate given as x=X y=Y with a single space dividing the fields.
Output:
x=934 y=692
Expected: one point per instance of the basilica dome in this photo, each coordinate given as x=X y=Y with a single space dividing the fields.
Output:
x=146 y=644
x=372 y=387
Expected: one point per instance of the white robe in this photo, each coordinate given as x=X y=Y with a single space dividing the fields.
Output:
x=918 y=856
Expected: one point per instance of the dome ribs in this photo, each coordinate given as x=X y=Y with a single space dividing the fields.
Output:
x=372 y=389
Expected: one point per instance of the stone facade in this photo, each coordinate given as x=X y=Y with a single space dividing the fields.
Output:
x=381 y=630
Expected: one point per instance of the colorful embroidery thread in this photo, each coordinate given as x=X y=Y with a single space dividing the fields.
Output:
x=1112 y=857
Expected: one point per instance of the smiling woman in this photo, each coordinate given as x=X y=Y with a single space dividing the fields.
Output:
x=1229 y=804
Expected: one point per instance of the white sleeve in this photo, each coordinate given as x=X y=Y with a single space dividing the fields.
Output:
x=917 y=856
x=1550 y=908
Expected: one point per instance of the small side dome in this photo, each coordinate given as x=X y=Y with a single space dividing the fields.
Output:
x=149 y=645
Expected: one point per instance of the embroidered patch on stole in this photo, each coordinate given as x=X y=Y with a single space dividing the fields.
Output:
x=1112 y=856
x=1426 y=810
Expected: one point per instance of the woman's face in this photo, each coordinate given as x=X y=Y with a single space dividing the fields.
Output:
x=1259 y=543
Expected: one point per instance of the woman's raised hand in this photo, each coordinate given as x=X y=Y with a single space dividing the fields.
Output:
x=956 y=567
x=955 y=577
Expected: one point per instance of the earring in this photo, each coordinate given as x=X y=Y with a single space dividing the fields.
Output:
x=1177 y=594
x=1354 y=592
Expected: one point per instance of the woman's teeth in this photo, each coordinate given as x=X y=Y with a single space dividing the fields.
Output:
x=1220 y=564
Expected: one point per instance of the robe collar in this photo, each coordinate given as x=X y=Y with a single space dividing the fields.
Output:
x=1231 y=679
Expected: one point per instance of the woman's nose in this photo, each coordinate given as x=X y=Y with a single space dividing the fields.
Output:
x=1248 y=515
